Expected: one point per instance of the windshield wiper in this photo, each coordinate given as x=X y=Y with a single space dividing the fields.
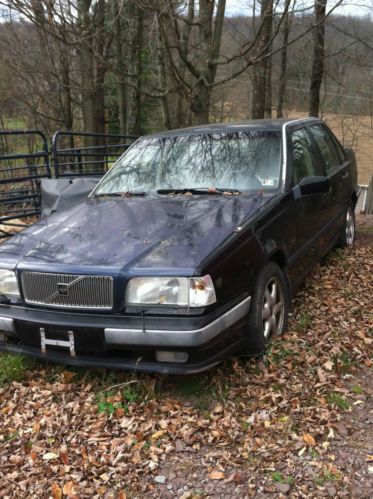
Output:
x=200 y=190
x=125 y=194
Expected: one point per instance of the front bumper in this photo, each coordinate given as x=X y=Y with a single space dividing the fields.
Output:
x=120 y=342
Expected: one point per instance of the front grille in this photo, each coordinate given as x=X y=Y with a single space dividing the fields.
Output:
x=69 y=291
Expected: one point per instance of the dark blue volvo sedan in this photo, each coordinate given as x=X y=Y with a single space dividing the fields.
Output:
x=186 y=252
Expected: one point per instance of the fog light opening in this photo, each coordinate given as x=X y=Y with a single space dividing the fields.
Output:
x=176 y=357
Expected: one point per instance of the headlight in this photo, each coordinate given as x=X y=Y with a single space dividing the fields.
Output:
x=179 y=291
x=8 y=283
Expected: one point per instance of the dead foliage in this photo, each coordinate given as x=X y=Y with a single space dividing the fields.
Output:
x=248 y=429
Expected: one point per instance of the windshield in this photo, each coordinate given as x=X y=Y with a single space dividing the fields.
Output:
x=239 y=160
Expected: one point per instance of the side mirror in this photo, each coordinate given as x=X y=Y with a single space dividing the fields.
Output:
x=349 y=153
x=311 y=185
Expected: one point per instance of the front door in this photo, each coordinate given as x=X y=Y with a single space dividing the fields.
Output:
x=312 y=211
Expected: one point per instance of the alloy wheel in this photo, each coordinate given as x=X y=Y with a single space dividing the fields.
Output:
x=350 y=227
x=273 y=310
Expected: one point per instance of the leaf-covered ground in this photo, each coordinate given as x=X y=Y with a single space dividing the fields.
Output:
x=299 y=422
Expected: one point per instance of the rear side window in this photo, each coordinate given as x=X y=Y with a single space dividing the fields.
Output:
x=327 y=147
x=304 y=160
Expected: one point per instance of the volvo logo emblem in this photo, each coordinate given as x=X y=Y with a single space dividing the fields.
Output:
x=63 y=288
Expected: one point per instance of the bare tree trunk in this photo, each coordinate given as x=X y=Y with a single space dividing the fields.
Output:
x=200 y=102
x=197 y=78
x=209 y=38
x=99 y=68
x=268 y=90
x=66 y=89
x=318 y=57
x=120 y=66
x=258 y=94
x=258 y=105
x=181 y=106
x=139 y=39
x=163 y=81
x=283 y=69
x=131 y=30
x=86 y=66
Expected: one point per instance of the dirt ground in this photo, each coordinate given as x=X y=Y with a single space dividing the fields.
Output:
x=296 y=423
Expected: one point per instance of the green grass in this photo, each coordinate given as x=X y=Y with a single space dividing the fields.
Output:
x=327 y=476
x=197 y=391
x=304 y=321
x=192 y=386
x=279 y=352
x=280 y=478
x=14 y=367
x=131 y=394
x=11 y=436
x=344 y=362
x=108 y=407
x=339 y=401
x=357 y=389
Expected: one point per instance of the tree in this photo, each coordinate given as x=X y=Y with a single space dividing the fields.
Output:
x=283 y=67
x=318 y=57
x=261 y=70
x=201 y=68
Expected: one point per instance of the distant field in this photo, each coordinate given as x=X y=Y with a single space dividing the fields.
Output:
x=356 y=132
x=13 y=124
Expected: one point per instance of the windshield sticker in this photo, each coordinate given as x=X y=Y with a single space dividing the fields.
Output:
x=268 y=181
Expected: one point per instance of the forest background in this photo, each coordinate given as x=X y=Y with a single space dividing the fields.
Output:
x=137 y=66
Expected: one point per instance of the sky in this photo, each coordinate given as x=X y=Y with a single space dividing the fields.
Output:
x=348 y=7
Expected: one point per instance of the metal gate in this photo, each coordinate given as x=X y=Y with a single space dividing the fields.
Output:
x=87 y=154
x=24 y=160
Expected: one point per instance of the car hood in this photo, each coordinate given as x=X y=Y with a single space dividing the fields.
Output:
x=132 y=233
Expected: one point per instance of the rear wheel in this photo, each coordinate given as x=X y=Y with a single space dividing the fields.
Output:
x=348 y=234
x=269 y=308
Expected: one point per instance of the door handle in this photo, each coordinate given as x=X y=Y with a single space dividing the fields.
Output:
x=345 y=175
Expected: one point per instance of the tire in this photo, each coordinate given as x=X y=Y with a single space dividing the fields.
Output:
x=348 y=234
x=269 y=310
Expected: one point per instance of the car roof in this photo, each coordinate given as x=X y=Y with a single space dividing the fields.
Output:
x=266 y=124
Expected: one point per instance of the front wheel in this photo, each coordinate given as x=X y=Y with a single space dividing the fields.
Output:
x=269 y=309
x=348 y=234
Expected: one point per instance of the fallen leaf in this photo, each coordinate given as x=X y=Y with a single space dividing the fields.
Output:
x=69 y=491
x=64 y=456
x=309 y=439
x=68 y=376
x=50 y=456
x=218 y=409
x=216 y=475
x=157 y=435
x=56 y=491
x=321 y=376
x=329 y=365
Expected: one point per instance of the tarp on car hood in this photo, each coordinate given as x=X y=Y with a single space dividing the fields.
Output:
x=58 y=194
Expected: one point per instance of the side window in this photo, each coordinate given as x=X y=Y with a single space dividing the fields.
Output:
x=340 y=151
x=327 y=147
x=304 y=160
